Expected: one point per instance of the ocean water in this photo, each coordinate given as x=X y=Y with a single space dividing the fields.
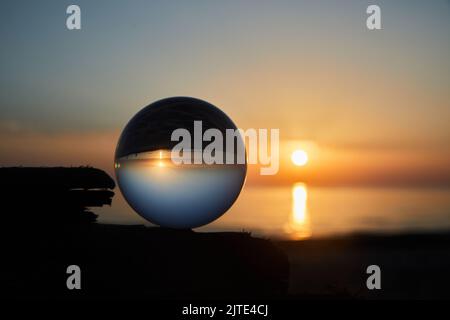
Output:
x=301 y=212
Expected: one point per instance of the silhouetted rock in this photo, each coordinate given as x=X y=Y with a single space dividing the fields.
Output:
x=61 y=178
x=49 y=197
x=48 y=227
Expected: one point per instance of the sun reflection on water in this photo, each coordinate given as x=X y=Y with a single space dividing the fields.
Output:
x=299 y=226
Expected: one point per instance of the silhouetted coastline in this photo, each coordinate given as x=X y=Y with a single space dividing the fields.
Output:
x=48 y=226
x=413 y=266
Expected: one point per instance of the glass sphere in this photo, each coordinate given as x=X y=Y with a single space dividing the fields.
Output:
x=172 y=181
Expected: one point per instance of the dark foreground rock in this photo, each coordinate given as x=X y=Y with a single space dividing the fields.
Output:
x=47 y=227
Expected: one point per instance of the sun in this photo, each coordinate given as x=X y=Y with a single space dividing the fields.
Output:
x=299 y=158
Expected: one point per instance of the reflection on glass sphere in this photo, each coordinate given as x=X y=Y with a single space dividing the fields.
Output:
x=160 y=190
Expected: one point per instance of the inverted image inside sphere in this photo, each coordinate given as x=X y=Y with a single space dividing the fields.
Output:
x=174 y=195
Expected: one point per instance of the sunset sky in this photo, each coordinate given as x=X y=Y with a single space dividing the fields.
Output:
x=369 y=107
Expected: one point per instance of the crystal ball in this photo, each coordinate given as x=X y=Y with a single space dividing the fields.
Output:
x=180 y=163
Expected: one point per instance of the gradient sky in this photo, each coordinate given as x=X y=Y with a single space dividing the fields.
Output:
x=373 y=106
